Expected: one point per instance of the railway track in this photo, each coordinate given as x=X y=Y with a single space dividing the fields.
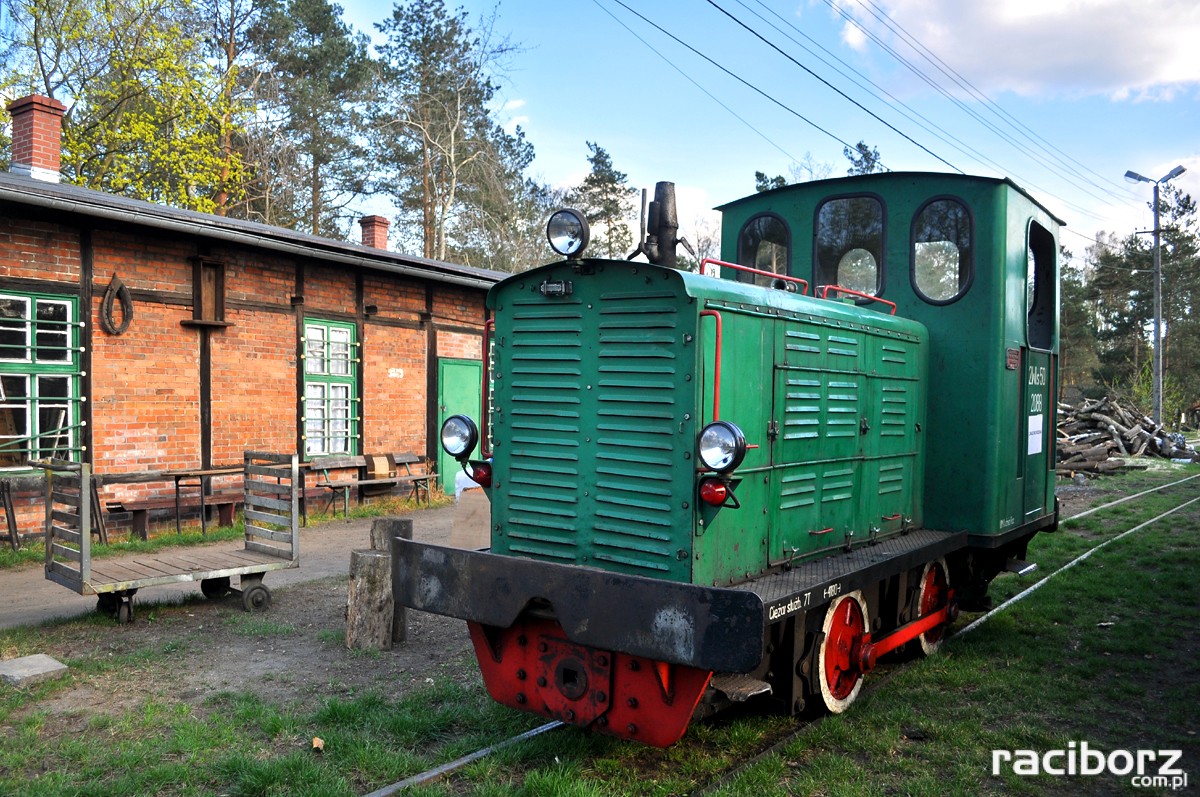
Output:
x=730 y=775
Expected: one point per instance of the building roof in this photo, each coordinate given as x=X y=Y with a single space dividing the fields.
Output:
x=87 y=203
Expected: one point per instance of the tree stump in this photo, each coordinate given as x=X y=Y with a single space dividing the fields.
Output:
x=369 y=606
x=384 y=528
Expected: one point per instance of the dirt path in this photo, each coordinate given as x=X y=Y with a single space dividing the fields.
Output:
x=188 y=648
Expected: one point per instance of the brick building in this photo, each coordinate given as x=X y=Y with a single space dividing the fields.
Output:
x=145 y=339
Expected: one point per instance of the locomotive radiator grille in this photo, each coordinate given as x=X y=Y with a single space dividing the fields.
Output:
x=545 y=369
x=635 y=412
x=592 y=460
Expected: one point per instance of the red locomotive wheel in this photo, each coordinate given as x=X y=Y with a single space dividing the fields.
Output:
x=935 y=590
x=838 y=664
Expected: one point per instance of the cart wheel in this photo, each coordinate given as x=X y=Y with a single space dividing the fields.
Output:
x=125 y=613
x=107 y=603
x=256 y=598
x=215 y=587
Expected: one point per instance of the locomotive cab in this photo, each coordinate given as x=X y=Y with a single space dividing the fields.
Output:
x=976 y=261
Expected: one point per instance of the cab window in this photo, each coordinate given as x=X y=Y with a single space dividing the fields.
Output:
x=849 y=246
x=942 y=254
x=765 y=244
x=1040 y=294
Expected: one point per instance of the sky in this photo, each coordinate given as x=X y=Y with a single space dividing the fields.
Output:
x=1061 y=96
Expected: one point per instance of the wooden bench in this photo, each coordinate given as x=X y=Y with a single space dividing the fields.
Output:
x=225 y=502
x=371 y=474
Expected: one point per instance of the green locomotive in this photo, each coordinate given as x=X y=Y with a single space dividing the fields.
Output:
x=710 y=487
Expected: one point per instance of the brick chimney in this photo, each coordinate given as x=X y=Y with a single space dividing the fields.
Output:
x=36 y=137
x=374 y=231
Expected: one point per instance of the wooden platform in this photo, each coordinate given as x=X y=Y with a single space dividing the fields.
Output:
x=147 y=570
x=182 y=566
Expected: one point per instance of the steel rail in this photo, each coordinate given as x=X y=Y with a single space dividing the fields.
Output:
x=459 y=763
x=1087 y=512
x=1020 y=596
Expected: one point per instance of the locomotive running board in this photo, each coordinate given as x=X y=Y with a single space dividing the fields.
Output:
x=817 y=582
x=710 y=628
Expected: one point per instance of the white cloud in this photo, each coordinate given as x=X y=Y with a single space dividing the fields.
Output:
x=1055 y=48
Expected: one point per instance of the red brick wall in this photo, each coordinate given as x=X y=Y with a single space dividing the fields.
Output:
x=146 y=395
x=146 y=383
x=254 y=402
x=394 y=373
x=145 y=390
x=395 y=299
x=459 y=345
x=144 y=263
x=37 y=250
x=458 y=305
x=329 y=290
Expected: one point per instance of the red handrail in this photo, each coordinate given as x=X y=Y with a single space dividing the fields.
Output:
x=716 y=366
x=825 y=289
x=748 y=270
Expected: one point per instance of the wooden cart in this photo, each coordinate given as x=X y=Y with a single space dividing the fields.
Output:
x=272 y=488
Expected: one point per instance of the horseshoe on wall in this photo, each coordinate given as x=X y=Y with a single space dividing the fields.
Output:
x=116 y=291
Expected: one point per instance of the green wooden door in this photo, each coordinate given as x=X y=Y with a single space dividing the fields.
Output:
x=460 y=390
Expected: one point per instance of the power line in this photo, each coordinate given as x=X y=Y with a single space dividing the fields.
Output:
x=736 y=77
x=1035 y=155
x=864 y=82
x=999 y=111
x=829 y=85
x=936 y=130
x=931 y=83
x=689 y=79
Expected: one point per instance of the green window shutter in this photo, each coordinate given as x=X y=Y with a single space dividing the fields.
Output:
x=331 y=405
x=39 y=378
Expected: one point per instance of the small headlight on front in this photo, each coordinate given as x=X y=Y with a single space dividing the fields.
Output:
x=459 y=436
x=568 y=232
x=722 y=446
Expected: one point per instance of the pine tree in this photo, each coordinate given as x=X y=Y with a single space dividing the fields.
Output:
x=322 y=74
x=863 y=159
x=607 y=202
x=435 y=131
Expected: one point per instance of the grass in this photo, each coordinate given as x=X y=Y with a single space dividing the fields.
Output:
x=1104 y=653
x=33 y=551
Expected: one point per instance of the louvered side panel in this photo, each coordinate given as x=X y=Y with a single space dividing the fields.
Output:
x=544 y=366
x=802 y=406
x=636 y=393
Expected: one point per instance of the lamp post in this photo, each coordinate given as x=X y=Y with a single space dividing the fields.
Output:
x=1133 y=176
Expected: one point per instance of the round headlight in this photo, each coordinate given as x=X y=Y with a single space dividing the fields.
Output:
x=459 y=436
x=568 y=232
x=722 y=446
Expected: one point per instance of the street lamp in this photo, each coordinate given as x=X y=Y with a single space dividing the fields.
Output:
x=1134 y=177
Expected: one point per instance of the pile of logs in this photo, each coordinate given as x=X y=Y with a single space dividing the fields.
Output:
x=1097 y=436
